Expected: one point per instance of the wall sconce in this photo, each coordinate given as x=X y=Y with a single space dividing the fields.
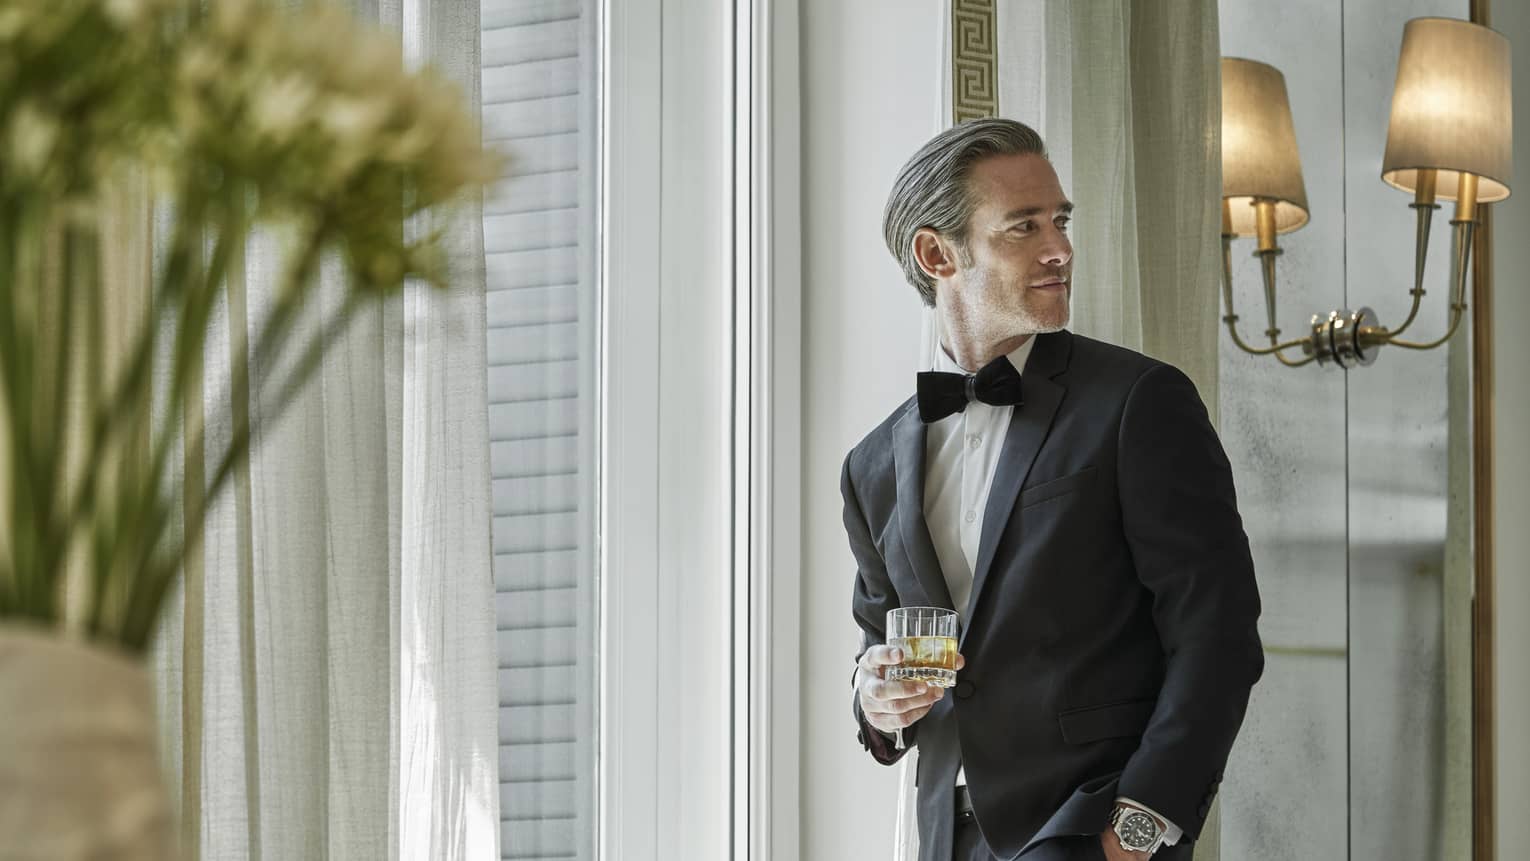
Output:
x=1450 y=138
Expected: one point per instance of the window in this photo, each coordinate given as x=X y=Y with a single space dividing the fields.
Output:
x=628 y=423
x=539 y=106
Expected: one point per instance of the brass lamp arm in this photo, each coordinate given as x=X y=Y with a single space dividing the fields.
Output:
x=1464 y=229
x=1420 y=252
x=1274 y=349
x=1351 y=338
x=1231 y=317
x=1294 y=363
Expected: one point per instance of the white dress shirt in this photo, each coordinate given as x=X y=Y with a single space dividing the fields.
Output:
x=961 y=452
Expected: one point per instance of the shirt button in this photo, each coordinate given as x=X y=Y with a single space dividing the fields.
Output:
x=974 y=441
x=971 y=516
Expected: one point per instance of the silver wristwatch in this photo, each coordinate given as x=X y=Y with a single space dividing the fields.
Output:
x=1138 y=831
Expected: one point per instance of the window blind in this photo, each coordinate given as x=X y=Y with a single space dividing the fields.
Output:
x=538 y=106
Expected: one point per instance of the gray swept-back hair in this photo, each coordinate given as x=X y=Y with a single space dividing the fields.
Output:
x=931 y=190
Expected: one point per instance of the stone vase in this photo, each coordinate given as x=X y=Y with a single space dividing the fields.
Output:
x=79 y=765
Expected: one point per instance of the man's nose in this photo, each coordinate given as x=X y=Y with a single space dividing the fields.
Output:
x=1058 y=250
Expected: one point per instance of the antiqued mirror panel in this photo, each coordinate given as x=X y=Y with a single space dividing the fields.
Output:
x=1353 y=485
x=1284 y=430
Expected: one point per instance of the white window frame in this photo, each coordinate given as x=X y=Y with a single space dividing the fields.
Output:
x=700 y=430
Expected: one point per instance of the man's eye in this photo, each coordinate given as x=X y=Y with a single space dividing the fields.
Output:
x=1024 y=227
x=1062 y=223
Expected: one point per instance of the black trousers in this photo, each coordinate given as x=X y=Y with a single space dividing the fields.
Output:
x=969 y=846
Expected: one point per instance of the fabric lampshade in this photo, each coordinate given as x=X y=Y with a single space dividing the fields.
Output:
x=1259 y=155
x=1451 y=108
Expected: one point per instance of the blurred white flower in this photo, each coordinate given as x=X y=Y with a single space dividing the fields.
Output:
x=280 y=108
x=12 y=20
x=352 y=121
x=127 y=13
x=274 y=115
x=33 y=135
x=231 y=18
x=199 y=65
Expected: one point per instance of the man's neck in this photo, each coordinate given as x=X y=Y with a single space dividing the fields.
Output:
x=972 y=355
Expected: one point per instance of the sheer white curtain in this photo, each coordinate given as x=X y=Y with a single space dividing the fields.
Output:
x=1127 y=96
x=328 y=678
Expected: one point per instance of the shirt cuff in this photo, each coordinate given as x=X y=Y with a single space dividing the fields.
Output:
x=1171 y=832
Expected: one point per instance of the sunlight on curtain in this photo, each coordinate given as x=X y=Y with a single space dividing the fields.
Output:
x=327 y=689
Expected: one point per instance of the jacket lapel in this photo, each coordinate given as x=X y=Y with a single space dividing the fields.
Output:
x=908 y=462
x=1028 y=429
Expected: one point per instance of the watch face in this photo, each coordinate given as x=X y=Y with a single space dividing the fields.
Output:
x=1138 y=831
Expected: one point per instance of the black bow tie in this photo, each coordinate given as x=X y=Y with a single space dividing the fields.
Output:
x=941 y=394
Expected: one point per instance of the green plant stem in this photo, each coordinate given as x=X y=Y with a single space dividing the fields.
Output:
x=190 y=342
x=123 y=421
x=12 y=596
x=35 y=582
x=133 y=391
x=52 y=435
x=136 y=635
x=95 y=373
x=124 y=415
x=191 y=332
x=144 y=607
x=52 y=438
x=10 y=587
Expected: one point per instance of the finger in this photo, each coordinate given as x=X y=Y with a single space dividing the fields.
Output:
x=887 y=722
x=876 y=657
x=960 y=661
x=899 y=704
x=923 y=701
x=894 y=689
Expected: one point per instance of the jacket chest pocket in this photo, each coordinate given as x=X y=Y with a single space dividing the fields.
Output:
x=1057 y=488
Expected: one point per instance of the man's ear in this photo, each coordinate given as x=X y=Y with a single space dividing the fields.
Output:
x=934 y=253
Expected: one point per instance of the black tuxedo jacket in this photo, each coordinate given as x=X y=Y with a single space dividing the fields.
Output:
x=1111 y=637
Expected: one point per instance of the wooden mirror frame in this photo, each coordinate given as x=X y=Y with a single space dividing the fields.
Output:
x=1483 y=740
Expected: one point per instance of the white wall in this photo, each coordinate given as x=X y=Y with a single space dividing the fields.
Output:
x=1511 y=480
x=870 y=91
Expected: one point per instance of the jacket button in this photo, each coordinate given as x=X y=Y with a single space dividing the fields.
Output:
x=965 y=689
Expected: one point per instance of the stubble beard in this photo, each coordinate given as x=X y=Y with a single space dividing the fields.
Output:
x=1052 y=318
x=1025 y=312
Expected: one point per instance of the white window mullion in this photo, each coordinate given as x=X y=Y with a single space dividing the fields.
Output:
x=767 y=397
x=700 y=432
x=777 y=570
x=630 y=268
x=744 y=723
x=669 y=365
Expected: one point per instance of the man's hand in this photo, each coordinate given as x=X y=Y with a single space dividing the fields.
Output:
x=891 y=705
x=1113 y=851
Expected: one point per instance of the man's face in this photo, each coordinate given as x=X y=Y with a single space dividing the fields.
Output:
x=1015 y=278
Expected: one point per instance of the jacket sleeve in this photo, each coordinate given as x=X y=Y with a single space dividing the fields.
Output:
x=874 y=596
x=1180 y=516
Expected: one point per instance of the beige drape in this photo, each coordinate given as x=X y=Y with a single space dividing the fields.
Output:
x=1128 y=98
x=327 y=673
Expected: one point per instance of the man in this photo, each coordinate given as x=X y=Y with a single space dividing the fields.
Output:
x=1081 y=518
